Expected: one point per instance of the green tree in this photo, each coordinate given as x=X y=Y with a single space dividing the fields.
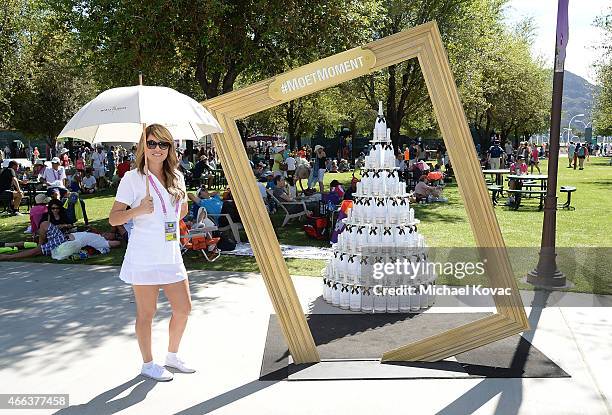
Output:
x=403 y=87
x=13 y=17
x=507 y=90
x=602 y=117
x=52 y=84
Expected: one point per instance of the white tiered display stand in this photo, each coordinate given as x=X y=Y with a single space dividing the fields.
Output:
x=380 y=231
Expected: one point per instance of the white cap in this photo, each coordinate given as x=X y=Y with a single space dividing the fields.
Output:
x=55 y=160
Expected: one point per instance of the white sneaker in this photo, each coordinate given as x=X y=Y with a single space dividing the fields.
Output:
x=177 y=363
x=156 y=372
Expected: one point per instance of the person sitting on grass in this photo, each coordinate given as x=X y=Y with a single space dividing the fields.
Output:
x=336 y=187
x=423 y=191
x=50 y=237
x=38 y=211
x=348 y=195
x=74 y=180
x=75 y=208
x=54 y=177
x=88 y=183
x=57 y=215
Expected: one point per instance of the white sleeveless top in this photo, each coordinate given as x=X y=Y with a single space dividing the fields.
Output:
x=149 y=258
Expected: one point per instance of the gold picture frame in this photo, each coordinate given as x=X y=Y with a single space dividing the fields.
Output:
x=424 y=43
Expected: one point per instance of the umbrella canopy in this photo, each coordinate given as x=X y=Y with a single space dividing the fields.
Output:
x=118 y=115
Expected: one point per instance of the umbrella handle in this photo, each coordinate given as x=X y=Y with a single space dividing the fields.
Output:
x=143 y=138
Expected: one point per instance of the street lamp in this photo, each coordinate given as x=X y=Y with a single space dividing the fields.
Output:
x=568 y=136
x=569 y=126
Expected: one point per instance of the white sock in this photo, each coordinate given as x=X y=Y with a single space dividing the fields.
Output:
x=147 y=365
x=172 y=356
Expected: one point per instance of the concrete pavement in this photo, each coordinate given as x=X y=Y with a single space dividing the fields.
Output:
x=69 y=329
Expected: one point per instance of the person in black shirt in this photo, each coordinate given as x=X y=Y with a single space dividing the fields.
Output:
x=495 y=154
x=348 y=195
x=9 y=187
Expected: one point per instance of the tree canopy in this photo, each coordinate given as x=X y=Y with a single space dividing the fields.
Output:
x=602 y=119
x=57 y=54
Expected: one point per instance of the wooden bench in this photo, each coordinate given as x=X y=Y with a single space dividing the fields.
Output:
x=518 y=193
x=569 y=190
x=496 y=190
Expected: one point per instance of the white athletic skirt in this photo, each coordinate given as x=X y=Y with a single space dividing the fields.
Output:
x=152 y=274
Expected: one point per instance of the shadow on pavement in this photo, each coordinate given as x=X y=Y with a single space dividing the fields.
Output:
x=104 y=403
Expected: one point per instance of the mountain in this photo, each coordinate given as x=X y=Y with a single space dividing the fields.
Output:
x=578 y=98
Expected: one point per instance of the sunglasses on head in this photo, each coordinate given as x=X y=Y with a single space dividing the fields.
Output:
x=163 y=145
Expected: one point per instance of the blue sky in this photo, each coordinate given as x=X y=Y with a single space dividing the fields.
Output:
x=581 y=53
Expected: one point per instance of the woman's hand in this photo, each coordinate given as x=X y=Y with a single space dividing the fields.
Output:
x=146 y=206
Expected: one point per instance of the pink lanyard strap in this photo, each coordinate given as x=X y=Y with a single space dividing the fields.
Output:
x=161 y=199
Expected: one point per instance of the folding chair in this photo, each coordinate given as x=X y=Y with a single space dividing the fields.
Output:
x=199 y=237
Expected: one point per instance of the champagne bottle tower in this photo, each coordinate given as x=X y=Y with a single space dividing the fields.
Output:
x=380 y=260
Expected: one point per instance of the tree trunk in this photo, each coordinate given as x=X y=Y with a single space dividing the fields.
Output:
x=291 y=123
x=393 y=120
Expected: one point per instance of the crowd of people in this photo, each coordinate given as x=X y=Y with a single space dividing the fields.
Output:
x=278 y=170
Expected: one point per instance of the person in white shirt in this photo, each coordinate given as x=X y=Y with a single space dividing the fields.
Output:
x=54 y=177
x=509 y=151
x=98 y=158
x=290 y=161
x=153 y=257
x=88 y=183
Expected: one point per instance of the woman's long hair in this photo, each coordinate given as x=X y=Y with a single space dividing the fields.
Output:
x=171 y=163
x=63 y=216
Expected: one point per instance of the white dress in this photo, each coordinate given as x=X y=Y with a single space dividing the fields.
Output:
x=149 y=258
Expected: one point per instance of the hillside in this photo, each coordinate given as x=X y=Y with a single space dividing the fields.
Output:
x=578 y=98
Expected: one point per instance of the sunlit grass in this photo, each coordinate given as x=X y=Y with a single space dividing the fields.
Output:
x=443 y=225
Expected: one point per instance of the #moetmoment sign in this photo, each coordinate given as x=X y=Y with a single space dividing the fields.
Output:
x=322 y=74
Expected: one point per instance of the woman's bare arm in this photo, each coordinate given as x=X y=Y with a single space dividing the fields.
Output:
x=184 y=209
x=119 y=214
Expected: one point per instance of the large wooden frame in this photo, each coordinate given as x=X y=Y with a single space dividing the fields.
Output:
x=424 y=43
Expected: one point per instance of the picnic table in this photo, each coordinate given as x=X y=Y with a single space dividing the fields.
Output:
x=529 y=187
x=499 y=173
x=31 y=188
x=498 y=187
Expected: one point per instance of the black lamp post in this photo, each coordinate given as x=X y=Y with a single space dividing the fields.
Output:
x=546 y=274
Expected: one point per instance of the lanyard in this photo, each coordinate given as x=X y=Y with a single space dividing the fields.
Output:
x=161 y=199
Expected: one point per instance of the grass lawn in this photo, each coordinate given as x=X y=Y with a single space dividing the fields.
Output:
x=444 y=225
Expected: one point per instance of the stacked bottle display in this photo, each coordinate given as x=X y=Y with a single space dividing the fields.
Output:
x=380 y=259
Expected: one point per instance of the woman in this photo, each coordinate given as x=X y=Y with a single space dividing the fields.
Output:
x=278 y=160
x=535 y=159
x=57 y=215
x=153 y=256
x=319 y=166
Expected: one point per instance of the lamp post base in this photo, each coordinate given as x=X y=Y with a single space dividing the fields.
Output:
x=553 y=281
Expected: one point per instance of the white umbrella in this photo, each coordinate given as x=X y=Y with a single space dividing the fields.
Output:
x=118 y=115
x=122 y=114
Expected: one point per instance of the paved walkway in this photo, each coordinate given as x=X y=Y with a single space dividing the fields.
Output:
x=68 y=329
